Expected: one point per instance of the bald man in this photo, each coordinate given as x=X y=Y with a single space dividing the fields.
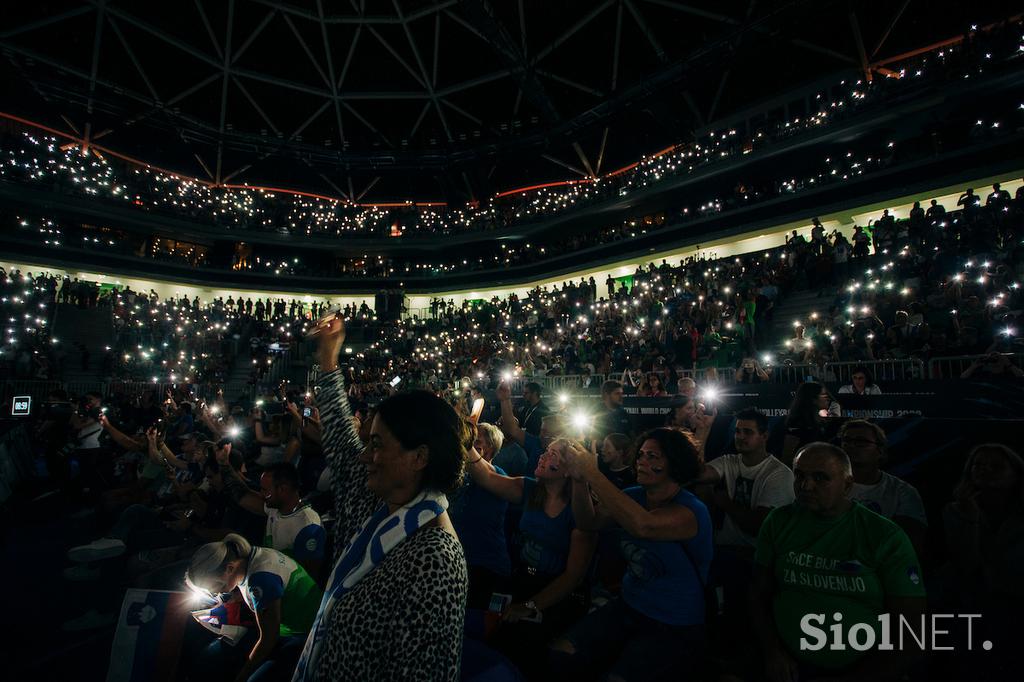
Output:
x=823 y=555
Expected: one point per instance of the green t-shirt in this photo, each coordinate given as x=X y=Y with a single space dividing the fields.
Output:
x=846 y=565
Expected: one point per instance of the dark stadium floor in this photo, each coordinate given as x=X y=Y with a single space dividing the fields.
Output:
x=39 y=599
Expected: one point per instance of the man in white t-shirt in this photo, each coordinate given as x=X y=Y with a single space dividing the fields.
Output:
x=749 y=485
x=754 y=481
x=879 y=491
x=292 y=527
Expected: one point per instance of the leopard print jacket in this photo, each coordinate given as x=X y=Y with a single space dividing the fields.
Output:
x=404 y=619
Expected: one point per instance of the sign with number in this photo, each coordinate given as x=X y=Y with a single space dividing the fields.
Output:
x=21 y=406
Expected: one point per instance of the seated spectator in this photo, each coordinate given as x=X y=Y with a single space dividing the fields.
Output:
x=880 y=491
x=533 y=409
x=651 y=386
x=984 y=532
x=861 y=383
x=617 y=461
x=275 y=588
x=551 y=427
x=807 y=420
x=508 y=456
x=751 y=372
x=293 y=528
x=826 y=554
x=554 y=555
x=991 y=367
x=657 y=623
x=479 y=519
x=688 y=415
x=279 y=443
x=687 y=387
x=749 y=485
x=753 y=483
x=613 y=418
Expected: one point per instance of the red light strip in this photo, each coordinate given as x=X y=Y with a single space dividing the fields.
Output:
x=182 y=176
x=520 y=190
x=557 y=183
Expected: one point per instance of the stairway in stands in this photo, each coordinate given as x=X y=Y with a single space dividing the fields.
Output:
x=797 y=306
x=236 y=386
x=84 y=332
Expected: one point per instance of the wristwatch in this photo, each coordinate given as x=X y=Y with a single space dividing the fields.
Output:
x=532 y=605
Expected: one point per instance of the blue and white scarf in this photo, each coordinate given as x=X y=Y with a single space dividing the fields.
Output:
x=381 y=533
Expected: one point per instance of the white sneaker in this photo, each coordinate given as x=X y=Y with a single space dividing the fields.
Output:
x=104 y=548
x=82 y=573
x=90 y=620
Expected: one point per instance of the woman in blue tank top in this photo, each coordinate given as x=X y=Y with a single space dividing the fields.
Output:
x=654 y=629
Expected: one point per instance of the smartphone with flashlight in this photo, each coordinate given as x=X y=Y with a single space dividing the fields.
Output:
x=325 y=319
x=478 y=409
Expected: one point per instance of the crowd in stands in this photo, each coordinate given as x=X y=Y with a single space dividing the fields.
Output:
x=27 y=304
x=843 y=163
x=527 y=541
x=936 y=284
x=236 y=495
x=182 y=340
x=944 y=284
x=44 y=161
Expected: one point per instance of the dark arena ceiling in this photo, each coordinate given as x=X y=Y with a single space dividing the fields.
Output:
x=429 y=100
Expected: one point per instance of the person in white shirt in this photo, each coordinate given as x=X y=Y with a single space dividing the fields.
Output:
x=879 y=491
x=861 y=383
x=754 y=483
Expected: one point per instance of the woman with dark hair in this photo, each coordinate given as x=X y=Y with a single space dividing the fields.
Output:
x=554 y=554
x=684 y=413
x=688 y=415
x=395 y=602
x=861 y=383
x=656 y=624
x=807 y=421
x=984 y=528
x=274 y=587
x=985 y=524
x=617 y=460
x=651 y=386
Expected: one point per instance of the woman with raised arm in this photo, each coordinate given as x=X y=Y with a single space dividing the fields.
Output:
x=654 y=629
x=395 y=603
x=554 y=556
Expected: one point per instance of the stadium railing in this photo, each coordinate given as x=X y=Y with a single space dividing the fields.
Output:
x=952 y=367
x=881 y=370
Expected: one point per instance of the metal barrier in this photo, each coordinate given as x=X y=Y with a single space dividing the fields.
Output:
x=792 y=374
x=881 y=370
x=38 y=389
x=953 y=366
x=559 y=382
